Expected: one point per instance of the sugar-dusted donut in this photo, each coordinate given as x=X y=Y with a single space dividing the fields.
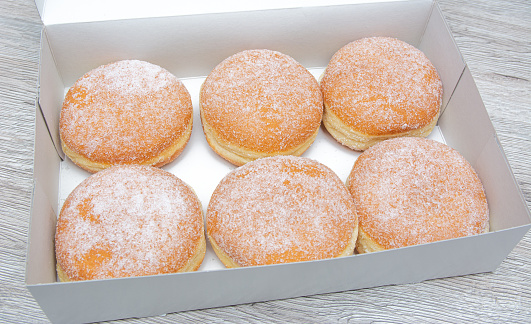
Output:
x=413 y=190
x=281 y=209
x=260 y=103
x=377 y=88
x=126 y=112
x=126 y=221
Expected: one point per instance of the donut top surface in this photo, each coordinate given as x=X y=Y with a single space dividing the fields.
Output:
x=262 y=100
x=128 y=221
x=281 y=209
x=382 y=86
x=410 y=191
x=124 y=112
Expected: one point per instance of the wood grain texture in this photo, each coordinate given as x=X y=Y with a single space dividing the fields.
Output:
x=494 y=37
x=20 y=29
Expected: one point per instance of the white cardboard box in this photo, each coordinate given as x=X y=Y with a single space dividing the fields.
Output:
x=189 y=43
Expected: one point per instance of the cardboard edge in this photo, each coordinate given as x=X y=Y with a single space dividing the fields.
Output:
x=55 y=142
x=514 y=181
x=432 y=42
x=64 y=12
x=503 y=193
x=243 y=30
x=48 y=100
x=40 y=264
x=40 y=7
x=226 y=287
x=455 y=121
x=46 y=162
x=41 y=228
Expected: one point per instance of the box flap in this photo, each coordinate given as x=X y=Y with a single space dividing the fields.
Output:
x=51 y=92
x=40 y=260
x=464 y=109
x=46 y=164
x=40 y=7
x=439 y=46
x=69 y=11
x=482 y=149
x=191 y=46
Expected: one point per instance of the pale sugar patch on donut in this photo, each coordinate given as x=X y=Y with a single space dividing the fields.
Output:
x=382 y=86
x=281 y=209
x=133 y=220
x=262 y=100
x=410 y=191
x=124 y=112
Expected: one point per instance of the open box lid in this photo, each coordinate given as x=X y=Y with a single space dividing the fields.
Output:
x=65 y=11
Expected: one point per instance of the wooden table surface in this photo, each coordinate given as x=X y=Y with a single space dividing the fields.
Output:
x=495 y=39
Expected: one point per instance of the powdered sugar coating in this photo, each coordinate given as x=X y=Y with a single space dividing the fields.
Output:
x=382 y=86
x=128 y=221
x=281 y=209
x=125 y=112
x=262 y=100
x=410 y=191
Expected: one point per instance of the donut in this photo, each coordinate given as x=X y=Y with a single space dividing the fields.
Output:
x=378 y=88
x=281 y=209
x=413 y=190
x=126 y=112
x=260 y=103
x=127 y=221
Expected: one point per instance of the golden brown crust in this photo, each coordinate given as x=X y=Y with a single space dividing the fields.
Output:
x=165 y=157
x=377 y=88
x=410 y=191
x=129 y=221
x=365 y=244
x=192 y=265
x=260 y=103
x=126 y=112
x=281 y=209
x=360 y=142
x=238 y=155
